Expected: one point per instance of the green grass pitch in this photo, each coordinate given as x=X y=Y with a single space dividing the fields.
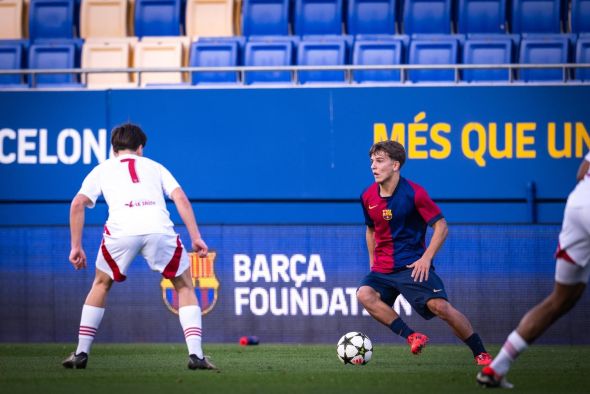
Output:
x=161 y=368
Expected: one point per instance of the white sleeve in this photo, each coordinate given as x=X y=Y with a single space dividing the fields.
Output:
x=169 y=183
x=587 y=158
x=91 y=186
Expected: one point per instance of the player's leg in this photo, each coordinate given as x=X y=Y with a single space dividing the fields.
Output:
x=377 y=296
x=166 y=254
x=461 y=327
x=114 y=257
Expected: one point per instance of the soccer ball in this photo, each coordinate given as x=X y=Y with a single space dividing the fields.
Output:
x=354 y=348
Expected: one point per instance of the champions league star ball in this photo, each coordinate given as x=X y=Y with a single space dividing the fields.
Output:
x=354 y=348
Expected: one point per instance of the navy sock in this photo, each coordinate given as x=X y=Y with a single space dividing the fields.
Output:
x=475 y=344
x=400 y=327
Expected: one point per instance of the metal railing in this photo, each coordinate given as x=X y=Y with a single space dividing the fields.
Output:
x=566 y=68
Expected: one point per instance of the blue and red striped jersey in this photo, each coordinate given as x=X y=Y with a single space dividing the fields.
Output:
x=399 y=222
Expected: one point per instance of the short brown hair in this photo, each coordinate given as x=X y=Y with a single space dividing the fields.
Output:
x=127 y=136
x=393 y=149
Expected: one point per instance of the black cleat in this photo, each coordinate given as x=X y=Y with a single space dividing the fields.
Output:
x=199 y=363
x=487 y=377
x=76 y=361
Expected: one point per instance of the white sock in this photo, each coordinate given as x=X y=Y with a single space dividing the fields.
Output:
x=512 y=348
x=190 y=320
x=89 y=322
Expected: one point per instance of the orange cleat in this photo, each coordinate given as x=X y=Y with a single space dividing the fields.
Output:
x=417 y=342
x=484 y=359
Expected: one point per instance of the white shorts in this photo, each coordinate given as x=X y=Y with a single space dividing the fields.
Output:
x=164 y=253
x=574 y=246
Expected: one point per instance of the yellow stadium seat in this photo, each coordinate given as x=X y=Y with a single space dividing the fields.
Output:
x=161 y=52
x=103 y=18
x=210 y=18
x=108 y=53
x=11 y=19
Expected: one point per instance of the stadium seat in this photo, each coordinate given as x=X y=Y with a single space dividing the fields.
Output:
x=433 y=50
x=108 y=53
x=371 y=16
x=583 y=56
x=11 y=58
x=11 y=19
x=103 y=18
x=321 y=53
x=267 y=54
x=492 y=50
x=543 y=50
x=377 y=52
x=580 y=22
x=481 y=16
x=427 y=17
x=536 y=16
x=160 y=52
x=53 y=56
x=51 y=19
x=214 y=54
x=318 y=17
x=209 y=18
x=265 y=17
x=157 y=18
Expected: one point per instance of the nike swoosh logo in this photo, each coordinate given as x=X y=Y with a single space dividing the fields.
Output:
x=436 y=290
x=372 y=206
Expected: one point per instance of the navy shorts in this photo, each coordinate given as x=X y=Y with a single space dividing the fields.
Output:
x=389 y=286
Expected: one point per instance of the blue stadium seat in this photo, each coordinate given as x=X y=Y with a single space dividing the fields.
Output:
x=433 y=50
x=481 y=16
x=157 y=17
x=371 y=16
x=377 y=52
x=321 y=53
x=580 y=16
x=267 y=54
x=318 y=17
x=583 y=56
x=51 y=19
x=265 y=17
x=212 y=54
x=427 y=17
x=543 y=50
x=53 y=56
x=492 y=50
x=11 y=58
x=536 y=16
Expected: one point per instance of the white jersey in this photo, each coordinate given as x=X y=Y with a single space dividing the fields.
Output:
x=580 y=196
x=133 y=188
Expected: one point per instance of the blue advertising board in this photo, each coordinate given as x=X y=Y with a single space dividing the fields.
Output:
x=300 y=155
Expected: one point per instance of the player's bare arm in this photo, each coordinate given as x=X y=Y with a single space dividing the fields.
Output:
x=421 y=267
x=370 y=236
x=185 y=210
x=77 y=254
x=582 y=170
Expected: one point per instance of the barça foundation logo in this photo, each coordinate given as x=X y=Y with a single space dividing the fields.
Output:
x=204 y=280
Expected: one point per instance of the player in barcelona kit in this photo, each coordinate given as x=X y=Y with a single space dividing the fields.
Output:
x=138 y=224
x=397 y=212
x=572 y=270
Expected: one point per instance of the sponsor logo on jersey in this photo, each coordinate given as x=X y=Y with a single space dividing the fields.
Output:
x=387 y=215
x=204 y=280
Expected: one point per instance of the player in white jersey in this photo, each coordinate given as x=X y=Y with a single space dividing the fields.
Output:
x=571 y=277
x=138 y=224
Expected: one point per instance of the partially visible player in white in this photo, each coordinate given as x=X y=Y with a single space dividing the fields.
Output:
x=138 y=224
x=571 y=277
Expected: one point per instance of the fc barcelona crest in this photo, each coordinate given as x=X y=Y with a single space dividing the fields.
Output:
x=387 y=215
x=204 y=280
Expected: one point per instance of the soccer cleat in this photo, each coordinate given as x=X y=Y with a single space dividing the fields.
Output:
x=199 y=363
x=487 y=377
x=76 y=361
x=483 y=359
x=417 y=342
